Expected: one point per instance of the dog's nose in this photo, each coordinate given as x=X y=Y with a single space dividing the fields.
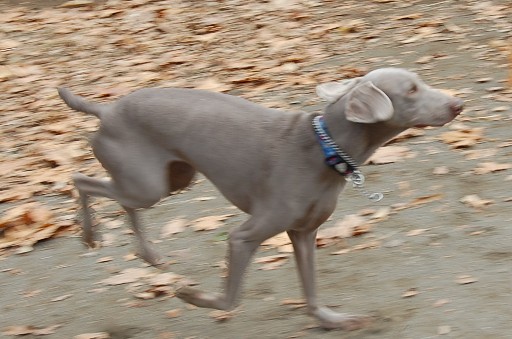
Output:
x=457 y=106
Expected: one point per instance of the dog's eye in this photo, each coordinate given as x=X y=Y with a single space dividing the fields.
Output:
x=413 y=89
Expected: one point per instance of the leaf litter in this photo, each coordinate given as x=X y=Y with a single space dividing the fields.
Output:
x=45 y=166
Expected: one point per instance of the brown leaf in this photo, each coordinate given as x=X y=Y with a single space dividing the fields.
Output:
x=25 y=225
x=128 y=275
x=210 y=223
x=20 y=330
x=410 y=293
x=281 y=239
x=415 y=232
x=271 y=262
x=349 y=226
x=62 y=297
x=145 y=295
x=479 y=154
x=212 y=84
x=441 y=170
x=465 y=279
x=442 y=330
x=367 y=245
x=380 y=215
x=407 y=134
x=490 y=167
x=294 y=303
x=164 y=279
x=416 y=202
x=174 y=313
x=463 y=138
x=97 y=335
x=221 y=316
x=173 y=227
x=475 y=201
x=390 y=154
x=285 y=249
x=441 y=302
x=104 y=259
x=342 y=251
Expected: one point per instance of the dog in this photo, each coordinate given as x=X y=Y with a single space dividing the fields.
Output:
x=273 y=165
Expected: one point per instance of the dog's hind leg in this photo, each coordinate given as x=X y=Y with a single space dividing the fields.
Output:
x=88 y=186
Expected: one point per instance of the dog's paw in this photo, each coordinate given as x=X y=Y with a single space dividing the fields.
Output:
x=330 y=320
x=199 y=298
x=151 y=257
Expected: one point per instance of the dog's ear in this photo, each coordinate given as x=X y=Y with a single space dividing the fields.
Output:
x=368 y=104
x=332 y=91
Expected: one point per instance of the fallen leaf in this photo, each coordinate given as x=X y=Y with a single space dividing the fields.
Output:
x=173 y=227
x=416 y=232
x=145 y=295
x=77 y=3
x=97 y=335
x=342 y=251
x=465 y=279
x=490 y=167
x=442 y=330
x=113 y=224
x=349 y=226
x=210 y=223
x=281 y=239
x=62 y=297
x=104 y=259
x=390 y=154
x=441 y=302
x=475 y=201
x=294 y=303
x=162 y=279
x=463 y=138
x=204 y=198
x=221 y=316
x=407 y=134
x=21 y=330
x=425 y=59
x=130 y=257
x=25 y=225
x=416 y=202
x=410 y=293
x=367 y=245
x=175 y=313
x=212 y=84
x=381 y=214
x=271 y=262
x=441 y=170
x=285 y=249
x=128 y=275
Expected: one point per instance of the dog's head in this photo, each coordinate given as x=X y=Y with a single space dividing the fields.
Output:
x=392 y=95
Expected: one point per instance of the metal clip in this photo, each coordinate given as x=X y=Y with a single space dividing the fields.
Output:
x=357 y=178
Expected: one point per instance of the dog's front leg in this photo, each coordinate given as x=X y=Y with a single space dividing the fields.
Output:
x=304 y=248
x=243 y=243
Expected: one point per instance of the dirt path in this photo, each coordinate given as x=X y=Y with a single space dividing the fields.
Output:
x=430 y=265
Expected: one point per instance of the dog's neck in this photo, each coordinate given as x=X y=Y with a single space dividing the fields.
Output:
x=359 y=140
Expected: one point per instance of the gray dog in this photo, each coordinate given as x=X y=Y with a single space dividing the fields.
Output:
x=284 y=169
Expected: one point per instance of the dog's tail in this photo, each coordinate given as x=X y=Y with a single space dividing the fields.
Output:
x=80 y=104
